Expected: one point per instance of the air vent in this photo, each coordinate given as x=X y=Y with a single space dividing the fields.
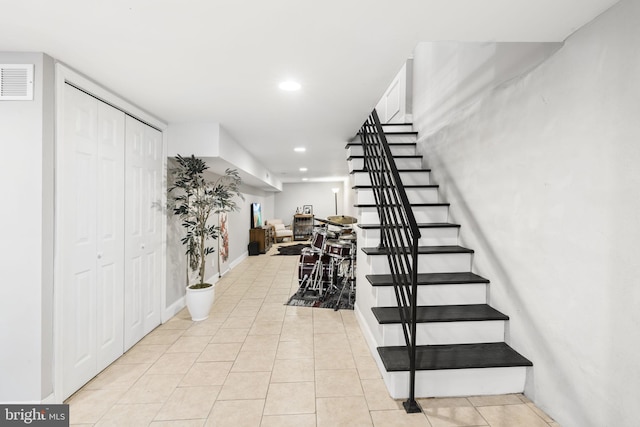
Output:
x=16 y=82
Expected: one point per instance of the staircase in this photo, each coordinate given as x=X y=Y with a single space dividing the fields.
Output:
x=459 y=338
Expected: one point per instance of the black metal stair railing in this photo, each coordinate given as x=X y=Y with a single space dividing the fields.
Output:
x=399 y=235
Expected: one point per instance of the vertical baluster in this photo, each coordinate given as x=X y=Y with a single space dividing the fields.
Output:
x=399 y=235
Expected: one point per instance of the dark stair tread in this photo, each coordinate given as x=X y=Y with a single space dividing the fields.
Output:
x=408 y=132
x=402 y=156
x=453 y=356
x=441 y=313
x=399 y=170
x=424 y=250
x=356 y=187
x=457 y=278
x=391 y=144
x=373 y=205
x=420 y=225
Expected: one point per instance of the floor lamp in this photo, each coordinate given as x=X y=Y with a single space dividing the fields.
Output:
x=335 y=195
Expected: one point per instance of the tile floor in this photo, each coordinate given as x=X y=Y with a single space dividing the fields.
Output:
x=256 y=362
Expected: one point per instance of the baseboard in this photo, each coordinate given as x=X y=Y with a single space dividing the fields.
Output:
x=370 y=340
x=173 y=309
x=213 y=279
x=238 y=260
x=49 y=400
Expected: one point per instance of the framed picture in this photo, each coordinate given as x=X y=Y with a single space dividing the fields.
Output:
x=307 y=209
x=223 y=244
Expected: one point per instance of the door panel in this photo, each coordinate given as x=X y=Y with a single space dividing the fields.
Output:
x=143 y=227
x=134 y=327
x=154 y=169
x=110 y=217
x=91 y=208
x=84 y=342
x=150 y=304
x=77 y=210
x=134 y=261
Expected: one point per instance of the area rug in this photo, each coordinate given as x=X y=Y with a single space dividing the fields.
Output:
x=310 y=298
x=292 y=249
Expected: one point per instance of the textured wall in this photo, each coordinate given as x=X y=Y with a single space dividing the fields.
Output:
x=542 y=173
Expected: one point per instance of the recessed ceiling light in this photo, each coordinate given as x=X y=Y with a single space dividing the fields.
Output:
x=303 y=169
x=289 y=85
x=305 y=179
x=299 y=149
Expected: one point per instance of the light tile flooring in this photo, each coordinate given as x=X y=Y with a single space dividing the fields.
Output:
x=256 y=362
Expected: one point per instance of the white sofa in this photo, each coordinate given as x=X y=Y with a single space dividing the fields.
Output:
x=282 y=231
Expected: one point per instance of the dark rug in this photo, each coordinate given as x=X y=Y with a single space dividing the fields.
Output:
x=310 y=298
x=292 y=249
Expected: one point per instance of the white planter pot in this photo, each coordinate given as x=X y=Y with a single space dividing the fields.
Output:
x=199 y=302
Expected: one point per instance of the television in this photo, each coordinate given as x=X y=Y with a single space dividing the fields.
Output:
x=256 y=215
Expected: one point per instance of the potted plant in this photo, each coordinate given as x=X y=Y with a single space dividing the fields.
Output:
x=194 y=198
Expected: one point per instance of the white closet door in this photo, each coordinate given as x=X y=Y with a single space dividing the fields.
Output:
x=143 y=227
x=110 y=216
x=90 y=206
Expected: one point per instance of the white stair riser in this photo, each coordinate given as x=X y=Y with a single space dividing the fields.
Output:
x=401 y=163
x=422 y=214
x=464 y=293
x=397 y=128
x=391 y=139
x=428 y=237
x=446 y=333
x=365 y=196
x=432 y=263
x=408 y=178
x=458 y=382
x=396 y=150
x=391 y=134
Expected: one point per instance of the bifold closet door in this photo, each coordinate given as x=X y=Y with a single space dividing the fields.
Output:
x=143 y=229
x=90 y=203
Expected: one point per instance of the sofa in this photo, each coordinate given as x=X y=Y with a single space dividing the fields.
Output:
x=282 y=231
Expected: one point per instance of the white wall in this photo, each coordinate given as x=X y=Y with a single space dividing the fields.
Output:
x=26 y=264
x=317 y=194
x=449 y=76
x=201 y=139
x=212 y=143
x=543 y=176
x=240 y=158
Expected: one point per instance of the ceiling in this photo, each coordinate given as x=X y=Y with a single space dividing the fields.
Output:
x=222 y=60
